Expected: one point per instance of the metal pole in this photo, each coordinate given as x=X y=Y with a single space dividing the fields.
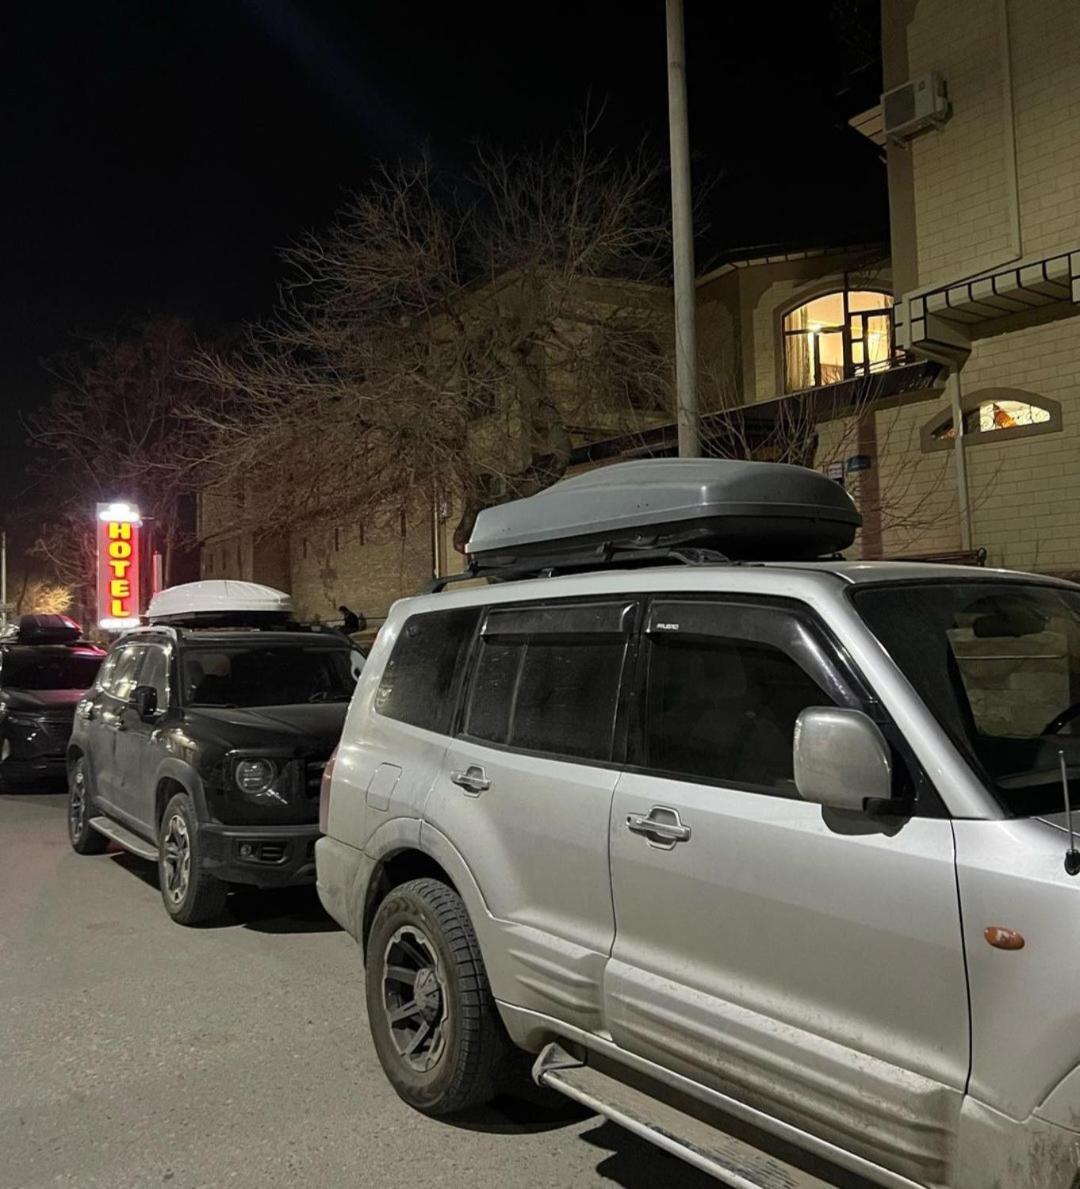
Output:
x=682 y=227
x=3 y=578
x=963 y=497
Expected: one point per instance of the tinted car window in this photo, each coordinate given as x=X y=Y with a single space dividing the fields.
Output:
x=419 y=680
x=724 y=710
x=267 y=675
x=550 y=695
x=48 y=668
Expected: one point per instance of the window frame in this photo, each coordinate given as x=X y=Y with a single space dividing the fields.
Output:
x=796 y=630
x=632 y=604
x=976 y=437
x=851 y=370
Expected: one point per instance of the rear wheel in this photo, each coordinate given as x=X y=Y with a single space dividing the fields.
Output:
x=436 y=1029
x=190 y=894
x=85 y=840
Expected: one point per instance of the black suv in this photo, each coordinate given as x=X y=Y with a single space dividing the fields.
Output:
x=44 y=670
x=203 y=749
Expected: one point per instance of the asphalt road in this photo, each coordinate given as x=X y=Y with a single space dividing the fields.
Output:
x=135 y=1052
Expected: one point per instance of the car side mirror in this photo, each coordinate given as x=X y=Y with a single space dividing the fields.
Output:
x=144 y=700
x=841 y=759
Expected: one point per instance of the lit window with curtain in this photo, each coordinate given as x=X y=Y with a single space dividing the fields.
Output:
x=836 y=336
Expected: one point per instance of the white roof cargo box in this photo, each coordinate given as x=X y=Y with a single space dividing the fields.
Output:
x=221 y=600
x=742 y=510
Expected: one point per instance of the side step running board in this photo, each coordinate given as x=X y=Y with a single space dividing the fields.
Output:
x=732 y=1161
x=125 y=838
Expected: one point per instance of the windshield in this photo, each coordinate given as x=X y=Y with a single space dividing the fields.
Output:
x=48 y=668
x=274 y=675
x=999 y=666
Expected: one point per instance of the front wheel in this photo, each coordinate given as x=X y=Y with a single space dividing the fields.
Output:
x=436 y=1029
x=190 y=893
x=85 y=840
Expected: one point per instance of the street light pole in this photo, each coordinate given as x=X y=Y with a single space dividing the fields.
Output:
x=682 y=227
x=3 y=578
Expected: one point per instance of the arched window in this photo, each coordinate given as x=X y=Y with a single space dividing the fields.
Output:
x=994 y=414
x=836 y=336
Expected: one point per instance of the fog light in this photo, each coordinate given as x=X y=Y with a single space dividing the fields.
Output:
x=247 y=851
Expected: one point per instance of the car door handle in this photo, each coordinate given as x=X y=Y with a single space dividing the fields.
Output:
x=666 y=829
x=473 y=780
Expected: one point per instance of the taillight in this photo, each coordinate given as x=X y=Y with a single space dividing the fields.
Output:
x=324 y=793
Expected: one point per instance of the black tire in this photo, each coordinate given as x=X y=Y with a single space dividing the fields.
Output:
x=190 y=894
x=84 y=839
x=465 y=1049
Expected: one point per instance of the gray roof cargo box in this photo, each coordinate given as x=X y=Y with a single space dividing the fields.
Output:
x=744 y=510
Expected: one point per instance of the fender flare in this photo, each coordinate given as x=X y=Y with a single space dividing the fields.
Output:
x=173 y=768
x=412 y=833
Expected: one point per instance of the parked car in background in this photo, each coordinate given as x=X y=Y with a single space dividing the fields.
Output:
x=769 y=861
x=202 y=744
x=45 y=668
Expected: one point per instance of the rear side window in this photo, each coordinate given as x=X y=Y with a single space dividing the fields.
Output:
x=547 y=680
x=420 y=679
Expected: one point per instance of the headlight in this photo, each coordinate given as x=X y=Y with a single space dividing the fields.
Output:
x=254 y=776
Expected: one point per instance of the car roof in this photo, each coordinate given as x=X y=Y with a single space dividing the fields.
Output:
x=813 y=580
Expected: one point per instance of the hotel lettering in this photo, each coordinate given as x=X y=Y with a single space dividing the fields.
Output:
x=118 y=588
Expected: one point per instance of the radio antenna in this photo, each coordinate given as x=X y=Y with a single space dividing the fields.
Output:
x=1072 y=855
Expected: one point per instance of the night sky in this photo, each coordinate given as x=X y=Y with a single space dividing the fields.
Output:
x=156 y=155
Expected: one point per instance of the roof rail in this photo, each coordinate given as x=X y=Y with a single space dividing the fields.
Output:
x=605 y=556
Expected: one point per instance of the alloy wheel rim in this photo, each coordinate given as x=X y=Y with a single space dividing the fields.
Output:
x=414 y=999
x=77 y=804
x=176 y=858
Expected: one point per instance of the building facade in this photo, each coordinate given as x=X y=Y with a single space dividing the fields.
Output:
x=985 y=216
x=937 y=376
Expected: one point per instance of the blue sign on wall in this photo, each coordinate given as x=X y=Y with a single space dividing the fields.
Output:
x=859 y=462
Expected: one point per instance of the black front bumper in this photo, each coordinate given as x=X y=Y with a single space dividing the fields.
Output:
x=264 y=856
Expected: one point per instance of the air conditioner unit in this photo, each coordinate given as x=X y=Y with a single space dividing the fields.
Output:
x=918 y=104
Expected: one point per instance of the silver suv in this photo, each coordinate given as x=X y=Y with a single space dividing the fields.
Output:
x=772 y=849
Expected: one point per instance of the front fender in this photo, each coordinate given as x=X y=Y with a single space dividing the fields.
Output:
x=172 y=768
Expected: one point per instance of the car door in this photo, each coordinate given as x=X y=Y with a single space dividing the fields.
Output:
x=134 y=754
x=109 y=723
x=525 y=794
x=802 y=960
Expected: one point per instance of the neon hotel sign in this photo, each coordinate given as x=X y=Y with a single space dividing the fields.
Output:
x=118 y=573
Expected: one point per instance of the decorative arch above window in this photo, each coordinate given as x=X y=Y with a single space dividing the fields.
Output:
x=835 y=336
x=994 y=414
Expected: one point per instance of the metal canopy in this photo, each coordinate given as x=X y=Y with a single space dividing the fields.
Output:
x=971 y=304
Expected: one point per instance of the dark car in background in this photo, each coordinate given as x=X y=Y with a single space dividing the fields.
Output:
x=202 y=746
x=45 y=670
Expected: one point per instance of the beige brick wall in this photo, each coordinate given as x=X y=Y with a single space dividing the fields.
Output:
x=367 y=575
x=916 y=492
x=1045 y=37
x=1025 y=492
x=919 y=505
x=963 y=172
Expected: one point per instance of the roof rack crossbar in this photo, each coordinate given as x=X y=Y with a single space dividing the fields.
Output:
x=603 y=556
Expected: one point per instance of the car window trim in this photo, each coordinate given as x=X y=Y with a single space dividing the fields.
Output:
x=860 y=694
